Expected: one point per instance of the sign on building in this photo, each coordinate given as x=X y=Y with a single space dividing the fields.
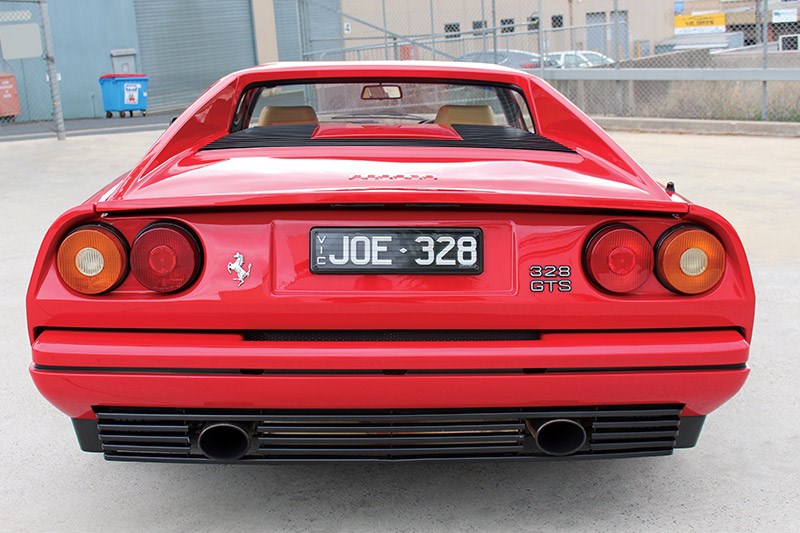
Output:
x=693 y=24
x=20 y=41
x=784 y=15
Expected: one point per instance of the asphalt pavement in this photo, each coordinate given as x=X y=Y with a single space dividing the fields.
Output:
x=744 y=475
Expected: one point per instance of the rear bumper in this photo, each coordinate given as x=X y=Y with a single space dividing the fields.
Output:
x=79 y=371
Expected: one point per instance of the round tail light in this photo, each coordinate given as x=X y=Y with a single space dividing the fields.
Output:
x=619 y=259
x=690 y=260
x=92 y=259
x=165 y=257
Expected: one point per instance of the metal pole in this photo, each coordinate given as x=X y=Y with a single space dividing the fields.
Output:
x=433 y=29
x=541 y=38
x=618 y=83
x=52 y=73
x=615 y=14
x=756 y=34
x=765 y=58
x=385 y=35
x=571 y=28
x=483 y=21
x=494 y=30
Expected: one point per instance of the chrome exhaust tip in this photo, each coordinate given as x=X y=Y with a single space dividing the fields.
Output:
x=559 y=437
x=224 y=441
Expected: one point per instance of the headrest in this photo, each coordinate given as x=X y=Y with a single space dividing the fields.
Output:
x=279 y=115
x=465 y=114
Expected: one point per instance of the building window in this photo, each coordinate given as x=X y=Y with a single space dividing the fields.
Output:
x=557 y=21
x=478 y=26
x=506 y=25
x=452 y=30
x=533 y=23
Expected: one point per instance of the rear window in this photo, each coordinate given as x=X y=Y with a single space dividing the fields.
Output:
x=384 y=102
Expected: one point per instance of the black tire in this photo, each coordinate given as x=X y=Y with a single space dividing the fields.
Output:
x=130 y=113
x=144 y=113
x=109 y=114
x=122 y=114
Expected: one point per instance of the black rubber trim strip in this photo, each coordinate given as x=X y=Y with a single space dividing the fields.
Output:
x=472 y=136
x=306 y=460
x=390 y=335
x=399 y=372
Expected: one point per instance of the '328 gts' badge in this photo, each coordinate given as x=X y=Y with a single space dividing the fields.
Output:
x=551 y=278
x=237 y=266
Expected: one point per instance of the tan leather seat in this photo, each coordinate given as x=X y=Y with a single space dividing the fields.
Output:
x=285 y=115
x=465 y=114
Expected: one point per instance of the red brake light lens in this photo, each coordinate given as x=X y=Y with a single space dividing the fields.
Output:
x=690 y=260
x=165 y=257
x=619 y=259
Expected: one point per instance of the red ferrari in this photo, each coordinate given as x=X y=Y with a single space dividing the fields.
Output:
x=390 y=261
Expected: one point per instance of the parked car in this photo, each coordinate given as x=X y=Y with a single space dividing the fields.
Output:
x=579 y=59
x=391 y=261
x=508 y=58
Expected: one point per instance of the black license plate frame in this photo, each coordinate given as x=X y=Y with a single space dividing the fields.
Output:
x=327 y=244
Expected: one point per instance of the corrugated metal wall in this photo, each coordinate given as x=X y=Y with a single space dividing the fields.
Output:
x=287 y=28
x=186 y=45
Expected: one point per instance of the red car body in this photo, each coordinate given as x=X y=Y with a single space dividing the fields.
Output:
x=392 y=366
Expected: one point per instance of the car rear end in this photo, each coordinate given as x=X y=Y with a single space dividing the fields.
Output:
x=455 y=365
x=407 y=300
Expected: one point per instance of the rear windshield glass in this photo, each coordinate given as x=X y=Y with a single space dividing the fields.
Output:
x=384 y=102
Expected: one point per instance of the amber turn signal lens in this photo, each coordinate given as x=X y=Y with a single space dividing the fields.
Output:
x=619 y=258
x=92 y=259
x=690 y=260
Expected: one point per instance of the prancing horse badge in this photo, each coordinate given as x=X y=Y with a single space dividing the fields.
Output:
x=236 y=266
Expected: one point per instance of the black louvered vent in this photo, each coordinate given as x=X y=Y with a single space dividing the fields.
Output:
x=389 y=435
x=472 y=136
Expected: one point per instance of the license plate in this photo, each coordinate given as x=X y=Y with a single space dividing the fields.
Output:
x=396 y=251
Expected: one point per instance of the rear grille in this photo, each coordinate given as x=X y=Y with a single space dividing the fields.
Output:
x=421 y=335
x=389 y=435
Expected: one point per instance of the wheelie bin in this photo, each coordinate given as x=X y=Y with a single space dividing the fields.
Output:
x=124 y=93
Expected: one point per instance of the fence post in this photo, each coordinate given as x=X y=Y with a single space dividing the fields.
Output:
x=52 y=73
x=765 y=56
x=494 y=30
x=433 y=29
x=483 y=21
x=385 y=35
x=540 y=37
x=617 y=83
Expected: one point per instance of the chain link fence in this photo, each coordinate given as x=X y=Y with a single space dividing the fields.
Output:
x=27 y=91
x=704 y=59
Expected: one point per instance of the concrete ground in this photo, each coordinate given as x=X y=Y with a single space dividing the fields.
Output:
x=10 y=132
x=744 y=475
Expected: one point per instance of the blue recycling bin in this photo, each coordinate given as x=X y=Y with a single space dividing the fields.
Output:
x=124 y=93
